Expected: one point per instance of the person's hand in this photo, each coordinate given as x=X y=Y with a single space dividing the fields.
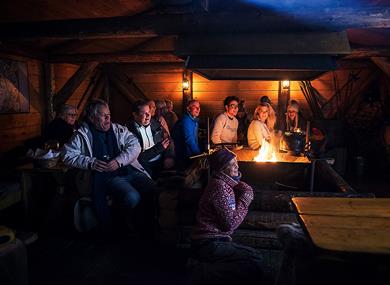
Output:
x=165 y=143
x=99 y=165
x=112 y=166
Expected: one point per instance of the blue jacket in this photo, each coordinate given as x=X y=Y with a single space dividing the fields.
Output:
x=185 y=136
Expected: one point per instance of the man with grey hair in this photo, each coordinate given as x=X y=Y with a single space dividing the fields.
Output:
x=109 y=152
x=62 y=127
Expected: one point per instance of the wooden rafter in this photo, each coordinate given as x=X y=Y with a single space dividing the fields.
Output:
x=73 y=83
x=383 y=63
x=89 y=90
x=116 y=57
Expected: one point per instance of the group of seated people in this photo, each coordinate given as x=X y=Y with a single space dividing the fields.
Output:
x=124 y=162
x=234 y=125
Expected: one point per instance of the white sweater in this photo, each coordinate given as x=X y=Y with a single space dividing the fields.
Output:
x=225 y=129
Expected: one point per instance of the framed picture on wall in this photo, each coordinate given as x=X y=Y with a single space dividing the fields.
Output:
x=14 y=97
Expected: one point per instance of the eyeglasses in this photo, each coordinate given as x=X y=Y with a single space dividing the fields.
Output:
x=234 y=106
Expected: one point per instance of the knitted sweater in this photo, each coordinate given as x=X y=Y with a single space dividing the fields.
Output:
x=222 y=207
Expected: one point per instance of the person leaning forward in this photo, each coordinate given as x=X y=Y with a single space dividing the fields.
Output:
x=157 y=150
x=222 y=208
x=109 y=153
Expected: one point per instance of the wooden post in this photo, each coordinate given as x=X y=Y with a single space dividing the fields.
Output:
x=187 y=94
x=49 y=87
x=106 y=89
x=283 y=99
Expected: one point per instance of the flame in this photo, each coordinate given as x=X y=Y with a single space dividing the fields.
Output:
x=266 y=153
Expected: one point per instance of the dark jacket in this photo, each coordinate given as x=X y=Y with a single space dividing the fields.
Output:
x=185 y=135
x=58 y=130
x=158 y=137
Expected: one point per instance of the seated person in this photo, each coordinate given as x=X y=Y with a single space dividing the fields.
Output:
x=294 y=121
x=108 y=152
x=262 y=126
x=222 y=208
x=225 y=124
x=157 y=151
x=185 y=134
x=293 y=129
x=170 y=115
x=265 y=99
x=156 y=113
x=243 y=123
x=62 y=127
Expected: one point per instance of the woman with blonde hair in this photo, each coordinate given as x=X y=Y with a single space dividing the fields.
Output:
x=262 y=125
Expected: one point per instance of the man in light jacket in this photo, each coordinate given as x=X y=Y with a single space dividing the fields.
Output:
x=108 y=152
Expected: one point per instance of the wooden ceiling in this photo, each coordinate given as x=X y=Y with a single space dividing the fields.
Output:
x=146 y=30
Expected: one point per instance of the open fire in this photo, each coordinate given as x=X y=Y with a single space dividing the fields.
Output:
x=266 y=153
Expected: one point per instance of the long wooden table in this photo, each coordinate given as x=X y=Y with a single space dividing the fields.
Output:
x=347 y=224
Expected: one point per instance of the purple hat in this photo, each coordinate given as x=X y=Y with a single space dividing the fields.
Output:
x=219 y=159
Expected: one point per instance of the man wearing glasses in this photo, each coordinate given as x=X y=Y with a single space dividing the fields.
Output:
x=226 y=124
x=61 y=128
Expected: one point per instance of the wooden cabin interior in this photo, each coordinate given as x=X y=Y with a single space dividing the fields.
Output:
x=333 y=54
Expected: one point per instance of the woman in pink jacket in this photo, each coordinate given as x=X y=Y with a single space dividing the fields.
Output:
x=222 y=208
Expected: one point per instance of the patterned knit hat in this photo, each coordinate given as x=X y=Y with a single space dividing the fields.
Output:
x=219 y=159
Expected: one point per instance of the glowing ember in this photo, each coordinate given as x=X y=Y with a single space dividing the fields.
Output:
x=266 y=153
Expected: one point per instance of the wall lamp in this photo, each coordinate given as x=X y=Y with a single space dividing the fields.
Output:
x=286 y=84
x=186 y=84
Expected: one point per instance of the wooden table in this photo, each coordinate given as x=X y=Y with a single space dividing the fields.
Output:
x=28 y=171
x=347 y=224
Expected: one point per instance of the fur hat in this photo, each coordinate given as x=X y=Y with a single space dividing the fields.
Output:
x=293 y=106
x=219 y=159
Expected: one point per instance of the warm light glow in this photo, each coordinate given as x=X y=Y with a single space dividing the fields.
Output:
x=266 y=153
x=186 y=84
x=286 y=84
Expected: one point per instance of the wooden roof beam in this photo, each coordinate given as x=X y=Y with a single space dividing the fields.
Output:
x=72 y=84
x=383 y=63
x=147 y=25
x=116 y=57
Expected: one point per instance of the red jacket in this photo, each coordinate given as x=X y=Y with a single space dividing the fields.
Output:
x=222 y=207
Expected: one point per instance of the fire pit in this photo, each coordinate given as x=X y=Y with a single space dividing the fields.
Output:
x=289 y=173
